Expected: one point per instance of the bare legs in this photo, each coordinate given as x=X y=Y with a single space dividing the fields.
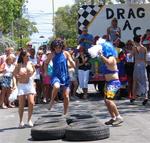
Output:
x=116 y=119
x=5 y=93
x=56 y=87
x=74 y=87
x=47 y=93
x=66 y=99
x=130 y=84
x=112 y=108
x=30 y=108
x=21 y=108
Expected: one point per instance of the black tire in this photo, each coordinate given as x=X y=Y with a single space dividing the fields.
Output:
x=52 y=114
x=85 y=122
x=74 y=119
x=50 y=131
x=41 y=121
x=81 y=116
x=87 y=132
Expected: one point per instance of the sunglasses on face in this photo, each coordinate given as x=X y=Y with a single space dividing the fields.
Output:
x=57 y=47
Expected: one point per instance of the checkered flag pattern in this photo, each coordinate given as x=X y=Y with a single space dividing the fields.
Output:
x=86 y=14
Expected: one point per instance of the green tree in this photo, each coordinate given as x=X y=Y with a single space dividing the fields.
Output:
x=66 y=24
x=11 y=14
x=23 y=28
x=5 y=42
x=9 y=10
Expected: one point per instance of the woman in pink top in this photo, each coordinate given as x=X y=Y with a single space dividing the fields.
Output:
x=47 y=71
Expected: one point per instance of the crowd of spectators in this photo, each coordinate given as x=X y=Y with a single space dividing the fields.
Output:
x=32 y=73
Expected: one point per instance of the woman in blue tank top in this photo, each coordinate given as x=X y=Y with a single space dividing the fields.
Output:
x=60 y=75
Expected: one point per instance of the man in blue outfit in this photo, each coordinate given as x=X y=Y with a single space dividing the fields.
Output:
x=85 y=39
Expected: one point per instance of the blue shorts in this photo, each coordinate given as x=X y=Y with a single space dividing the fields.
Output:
x=6 y=82
x=65 y=83
x=111 y=88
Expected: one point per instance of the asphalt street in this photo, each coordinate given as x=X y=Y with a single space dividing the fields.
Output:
x=136 y=126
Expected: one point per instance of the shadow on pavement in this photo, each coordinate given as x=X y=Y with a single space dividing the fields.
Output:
x=8 y=129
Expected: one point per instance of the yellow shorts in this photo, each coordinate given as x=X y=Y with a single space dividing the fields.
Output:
x=111 y=88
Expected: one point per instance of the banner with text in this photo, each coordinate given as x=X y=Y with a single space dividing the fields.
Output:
x=133 y=19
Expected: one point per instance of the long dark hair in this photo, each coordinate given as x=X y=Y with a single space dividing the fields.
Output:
x=137 y=38
x=22 y=54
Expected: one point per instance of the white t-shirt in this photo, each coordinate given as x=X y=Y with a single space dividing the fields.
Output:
x=9 y=70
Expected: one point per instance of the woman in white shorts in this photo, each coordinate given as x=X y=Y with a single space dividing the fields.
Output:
x=24 y=72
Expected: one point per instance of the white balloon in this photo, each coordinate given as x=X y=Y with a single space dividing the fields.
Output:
x=100 y=41
x=94 y=50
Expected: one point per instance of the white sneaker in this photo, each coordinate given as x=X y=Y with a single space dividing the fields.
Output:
x=118 y=121
x=65 y=116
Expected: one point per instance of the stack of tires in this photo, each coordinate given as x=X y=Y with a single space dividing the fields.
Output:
x=49 y=127
x=75 y=127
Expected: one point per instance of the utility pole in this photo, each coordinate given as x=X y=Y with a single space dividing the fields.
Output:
x=53 y=9
x=12 y=30
x=92 y=2
x=1 y=34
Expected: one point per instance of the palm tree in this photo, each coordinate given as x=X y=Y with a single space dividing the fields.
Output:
x=5 y=43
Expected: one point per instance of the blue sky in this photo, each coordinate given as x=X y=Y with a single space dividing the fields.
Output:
x=40 y=11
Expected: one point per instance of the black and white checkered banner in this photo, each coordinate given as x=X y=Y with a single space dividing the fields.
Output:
x=86 y=15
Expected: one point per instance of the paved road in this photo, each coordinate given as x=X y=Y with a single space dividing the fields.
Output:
x=136 y=126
